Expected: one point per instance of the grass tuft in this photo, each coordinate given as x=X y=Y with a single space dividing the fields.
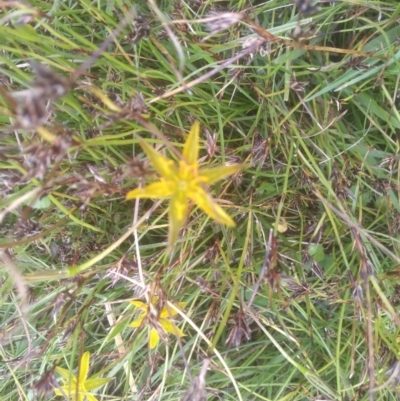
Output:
x=298 y=301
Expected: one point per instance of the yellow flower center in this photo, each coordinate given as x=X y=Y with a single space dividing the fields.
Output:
x=183 y=185
x=187 y=172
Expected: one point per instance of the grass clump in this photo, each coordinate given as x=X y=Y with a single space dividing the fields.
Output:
x=298 y=300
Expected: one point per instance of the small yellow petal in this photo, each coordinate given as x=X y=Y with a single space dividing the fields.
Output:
x=58 y=392
x=177 y=215
x=210 y=176
x=206 y=203
x=68 y=390
x=166 y=312
x=66 y=374
x=158 y=190
x=171 y=328
x=165 y=167
x=154 y=338
x=84 y=367
x=91 y=397
x=137 y=322
x=191 y=148
x=91 y=384
x=139 y=304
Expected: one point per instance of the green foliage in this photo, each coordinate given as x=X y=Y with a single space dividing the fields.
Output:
x=297 y=301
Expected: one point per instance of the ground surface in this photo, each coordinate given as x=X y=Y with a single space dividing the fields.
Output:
x=299 y=301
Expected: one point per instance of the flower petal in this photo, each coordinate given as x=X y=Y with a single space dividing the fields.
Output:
x=167 y=312
x=91 y=397
x=159 y=190
x=66 y=374
x=165 y=167
x=212 y=175
x=91 y=384
x=154 y=338
x=206 y=203
x=69 y=390
x=84 y=367
x=181 y=305
x=177 y=215
x=139 y=304
x=171 y=328
x=191 y=148
x=138 y=321
x=58 y=392
x=66 y=391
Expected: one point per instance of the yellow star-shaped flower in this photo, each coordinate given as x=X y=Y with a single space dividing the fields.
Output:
x=78 y=389
x=184 y=182
x=158 y=323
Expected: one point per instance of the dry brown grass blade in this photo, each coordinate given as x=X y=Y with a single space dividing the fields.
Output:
x=197 y=389
x=264 y=36
x=297 y=45
x=365 y=273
